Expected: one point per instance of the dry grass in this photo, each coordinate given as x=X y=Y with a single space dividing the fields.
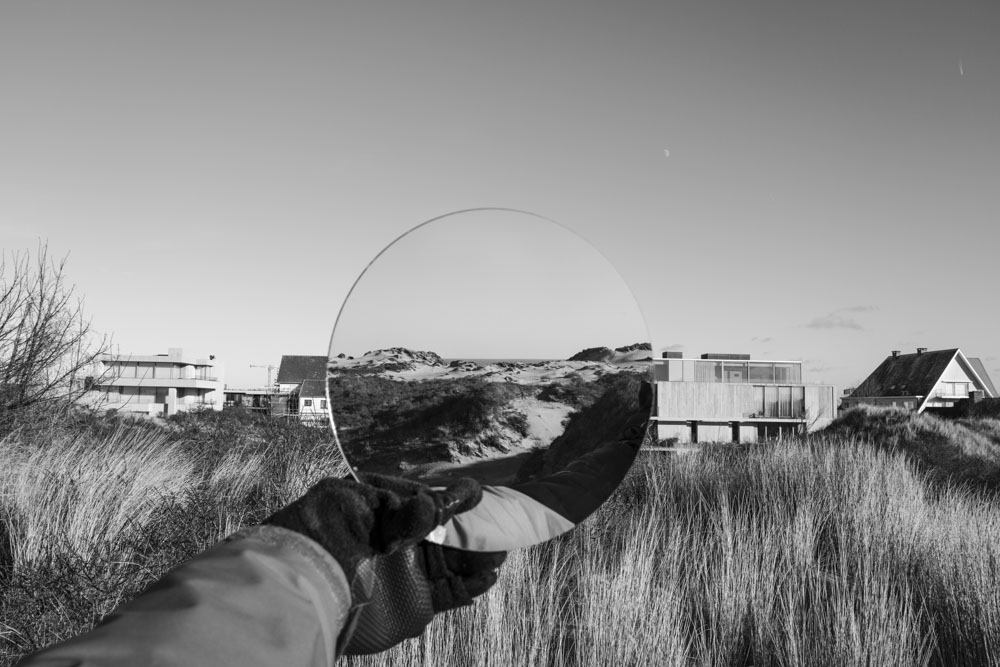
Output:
x=91 y=513
x=825 y=552
x=821 y=553
x=965 y=451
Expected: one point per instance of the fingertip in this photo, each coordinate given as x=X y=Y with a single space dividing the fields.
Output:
x=459 y=497
x=480 y=583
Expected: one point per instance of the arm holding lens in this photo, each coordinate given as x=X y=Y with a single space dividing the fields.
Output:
x=344 y=569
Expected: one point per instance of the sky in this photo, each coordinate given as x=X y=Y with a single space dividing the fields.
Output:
x=791 y=180
x=489 y=284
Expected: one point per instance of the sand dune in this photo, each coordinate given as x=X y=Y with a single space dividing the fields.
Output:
x=413 y=365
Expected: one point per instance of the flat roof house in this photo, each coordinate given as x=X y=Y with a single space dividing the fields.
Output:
x=733 y=398
x=935 y=380
x=156 y=385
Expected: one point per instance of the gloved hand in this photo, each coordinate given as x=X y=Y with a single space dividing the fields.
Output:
x=410 y=586
x=374 y=531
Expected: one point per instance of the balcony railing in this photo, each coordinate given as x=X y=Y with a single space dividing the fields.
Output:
x=952 y=390
x=110 y=376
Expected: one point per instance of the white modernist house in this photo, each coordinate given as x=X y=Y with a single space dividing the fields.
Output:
x=733 y=398
x=935 y=380
x=156 y=385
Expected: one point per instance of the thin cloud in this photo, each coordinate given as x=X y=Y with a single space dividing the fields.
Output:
x=834 y=321
x=837 y=319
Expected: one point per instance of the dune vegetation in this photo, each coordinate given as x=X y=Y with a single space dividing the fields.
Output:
x=862 y=545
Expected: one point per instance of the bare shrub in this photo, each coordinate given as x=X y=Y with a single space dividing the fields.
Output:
x=47 y=345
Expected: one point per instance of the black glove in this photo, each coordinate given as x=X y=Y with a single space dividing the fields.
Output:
x=410 y=586
x=372 y=529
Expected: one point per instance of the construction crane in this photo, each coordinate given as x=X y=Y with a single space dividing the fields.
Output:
x=269 y=367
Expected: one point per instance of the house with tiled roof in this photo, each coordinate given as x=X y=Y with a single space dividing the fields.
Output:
x=302 y=379
x=925 y=380
x=295 y=369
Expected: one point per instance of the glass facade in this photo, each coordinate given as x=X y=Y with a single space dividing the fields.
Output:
x=710 y=370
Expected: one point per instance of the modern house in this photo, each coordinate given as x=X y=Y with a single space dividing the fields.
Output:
x=733 y=398
x=935 y=380
x=156 y=385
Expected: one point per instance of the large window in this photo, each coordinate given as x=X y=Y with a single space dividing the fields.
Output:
x=780 y=402
x=785 y=402
x=735 y=371
x=770 y=401
x=798 y=401
x=787 y=373
x=761 y=372
x=707 y=371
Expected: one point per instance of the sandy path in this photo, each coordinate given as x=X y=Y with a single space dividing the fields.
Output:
x=498 y=470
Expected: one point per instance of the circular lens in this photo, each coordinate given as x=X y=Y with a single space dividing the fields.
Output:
x=498 y=345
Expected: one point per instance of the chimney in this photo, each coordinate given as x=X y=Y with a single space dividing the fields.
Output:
x=895 y=353
x=921 y=350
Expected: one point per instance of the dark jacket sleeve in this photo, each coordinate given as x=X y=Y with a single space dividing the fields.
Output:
x=265 y=596
x=581 y=487
x=521 y=515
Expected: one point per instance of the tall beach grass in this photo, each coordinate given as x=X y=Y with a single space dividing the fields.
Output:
x=802 y=553
x=829 y=551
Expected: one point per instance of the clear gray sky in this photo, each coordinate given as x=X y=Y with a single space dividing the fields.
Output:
x=489 y=284
x=791 y=179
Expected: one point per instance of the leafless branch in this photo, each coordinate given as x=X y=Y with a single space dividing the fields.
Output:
x=47 y=345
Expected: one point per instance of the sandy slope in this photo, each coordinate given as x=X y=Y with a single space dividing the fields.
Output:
x=545 y=419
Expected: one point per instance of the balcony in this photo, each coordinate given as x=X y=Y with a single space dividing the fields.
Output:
x=951 y=390
x=179 y=383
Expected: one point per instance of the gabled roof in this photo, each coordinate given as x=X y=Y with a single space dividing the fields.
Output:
x=906 y=375
x=297 y=368
x=983 y=375
x=312 y=389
